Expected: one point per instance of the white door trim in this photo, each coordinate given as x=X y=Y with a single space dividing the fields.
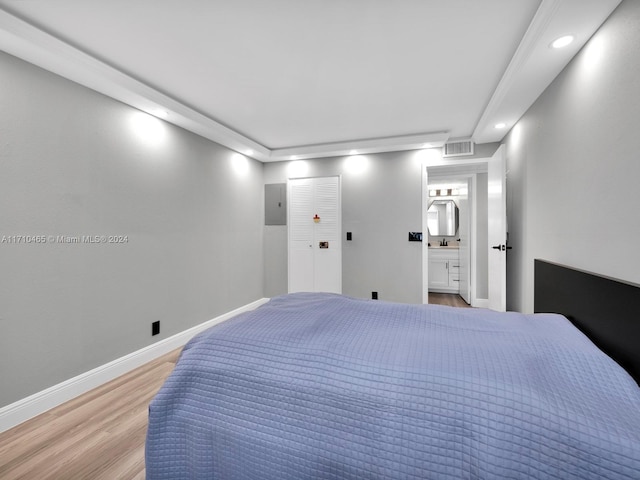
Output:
x=461 y=168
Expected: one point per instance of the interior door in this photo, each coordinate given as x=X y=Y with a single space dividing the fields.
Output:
x=497 y=226
x=327 y=248
x=301 y=238
x=315 y=225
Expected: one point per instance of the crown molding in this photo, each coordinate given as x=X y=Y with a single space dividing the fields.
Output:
x=360 y=147
x=535 y=65
x=25 y=41
x=531 y=69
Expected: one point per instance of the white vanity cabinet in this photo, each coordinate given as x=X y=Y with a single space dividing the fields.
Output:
x=444 y=270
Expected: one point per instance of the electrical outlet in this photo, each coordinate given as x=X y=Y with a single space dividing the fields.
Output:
x=155 y=328
x=374 y=295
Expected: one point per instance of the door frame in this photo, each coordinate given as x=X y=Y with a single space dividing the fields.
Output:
x=460 y=168
x=471 y=229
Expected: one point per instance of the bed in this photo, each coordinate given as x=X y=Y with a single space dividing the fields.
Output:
x=323 y=386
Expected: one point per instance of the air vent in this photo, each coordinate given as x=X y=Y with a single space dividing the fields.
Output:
x=457 y=149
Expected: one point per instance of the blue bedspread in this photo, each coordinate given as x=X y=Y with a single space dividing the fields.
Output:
x=321 y=386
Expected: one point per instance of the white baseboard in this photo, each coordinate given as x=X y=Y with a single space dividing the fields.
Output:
x=33 y=405
x=480 y=302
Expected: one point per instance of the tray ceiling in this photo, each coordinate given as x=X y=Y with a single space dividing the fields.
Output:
x=284 y=78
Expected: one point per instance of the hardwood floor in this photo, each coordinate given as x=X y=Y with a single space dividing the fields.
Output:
x=99 y=435
x=449 y=299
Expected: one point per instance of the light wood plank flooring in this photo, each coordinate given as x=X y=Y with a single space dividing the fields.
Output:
x=449 y=299
x=99 y=435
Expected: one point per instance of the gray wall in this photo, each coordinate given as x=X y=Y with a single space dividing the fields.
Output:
x=380 y=205
x=71 y=163
x=573 y=166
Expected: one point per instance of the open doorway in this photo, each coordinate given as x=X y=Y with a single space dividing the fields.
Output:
x=457 y=260
x=448 y=225
x=485 y=180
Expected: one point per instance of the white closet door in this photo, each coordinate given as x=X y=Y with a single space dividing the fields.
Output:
x=301 y=256
x=328 y=261
x=315 y=239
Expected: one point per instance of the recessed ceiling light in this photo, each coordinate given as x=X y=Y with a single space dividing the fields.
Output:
x=500 y=125
x=299 y=168
x=562 y=41
x=356 y=164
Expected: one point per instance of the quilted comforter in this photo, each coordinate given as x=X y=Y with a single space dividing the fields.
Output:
x=322 y=386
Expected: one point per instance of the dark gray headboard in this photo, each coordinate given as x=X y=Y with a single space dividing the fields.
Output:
x=604 y=309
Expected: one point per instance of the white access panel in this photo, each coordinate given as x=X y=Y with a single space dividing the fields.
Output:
x=315 y=235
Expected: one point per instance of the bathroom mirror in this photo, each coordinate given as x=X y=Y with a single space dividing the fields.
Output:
x=442 y=218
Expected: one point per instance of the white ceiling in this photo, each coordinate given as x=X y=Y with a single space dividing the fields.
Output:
x=284 y=78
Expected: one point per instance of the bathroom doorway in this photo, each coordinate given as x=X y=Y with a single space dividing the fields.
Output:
x=482 y=190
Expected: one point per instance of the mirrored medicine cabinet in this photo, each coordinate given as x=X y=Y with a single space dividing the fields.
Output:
x=442 y=218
